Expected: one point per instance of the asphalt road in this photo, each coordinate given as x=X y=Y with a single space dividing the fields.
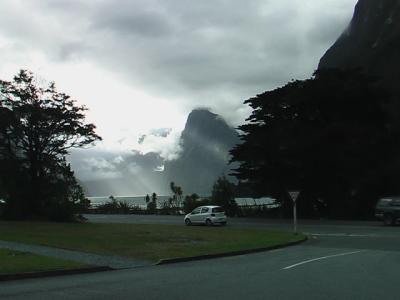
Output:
x=341 y=260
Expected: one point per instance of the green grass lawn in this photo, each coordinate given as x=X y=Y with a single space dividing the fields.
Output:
x=12 y=262
x=150 y=242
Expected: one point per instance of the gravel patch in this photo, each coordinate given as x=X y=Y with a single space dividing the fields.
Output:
x=115 y=262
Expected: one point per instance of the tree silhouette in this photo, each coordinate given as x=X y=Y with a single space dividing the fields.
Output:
x=39 y=127
x=147 y=198
x=326 y=136
x=176 y=200
x=223 y=194
x=151 y=204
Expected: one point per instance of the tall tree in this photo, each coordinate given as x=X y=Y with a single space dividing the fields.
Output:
x=223 y=194
x=326 y=136
x=191 y=202
x=152 y=205
x=177 y=194
x=40 y=128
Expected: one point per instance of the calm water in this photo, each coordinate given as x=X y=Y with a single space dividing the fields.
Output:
x=141 y=202
x=131 y=200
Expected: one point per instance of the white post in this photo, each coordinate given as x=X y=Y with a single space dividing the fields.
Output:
x=294 y=217
x=294 y=195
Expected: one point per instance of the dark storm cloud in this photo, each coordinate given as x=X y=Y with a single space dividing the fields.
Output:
x=208 y=53
x=215 y=53
x=125 y=22
x=100 y=164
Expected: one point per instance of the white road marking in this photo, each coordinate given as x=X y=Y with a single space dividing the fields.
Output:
x=341 y=234
x=321 y=258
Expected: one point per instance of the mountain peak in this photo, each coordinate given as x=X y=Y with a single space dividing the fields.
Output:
x=205 y=141
x=371 y=41
x=204 y=126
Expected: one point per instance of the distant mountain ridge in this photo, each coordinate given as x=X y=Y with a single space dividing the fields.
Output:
x=205 y=141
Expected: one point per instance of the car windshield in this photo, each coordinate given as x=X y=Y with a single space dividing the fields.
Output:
x=217 y=210
x=196 y=211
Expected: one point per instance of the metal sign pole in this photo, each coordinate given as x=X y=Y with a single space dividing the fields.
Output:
x=294 y=195
x=295 y=217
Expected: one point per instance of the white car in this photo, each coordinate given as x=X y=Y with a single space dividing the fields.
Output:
x=208 y=215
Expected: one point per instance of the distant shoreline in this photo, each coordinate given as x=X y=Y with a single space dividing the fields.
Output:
x=140 y=201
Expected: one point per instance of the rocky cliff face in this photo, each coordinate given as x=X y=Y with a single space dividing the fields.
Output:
x=205 y=141
x=371 y=41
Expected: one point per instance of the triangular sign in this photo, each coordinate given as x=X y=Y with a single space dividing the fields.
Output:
x=294 y=195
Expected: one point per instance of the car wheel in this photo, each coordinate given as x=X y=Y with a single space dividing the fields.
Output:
x=208 y=222
x=223 y=223
x=188 y=222
x=388 y=219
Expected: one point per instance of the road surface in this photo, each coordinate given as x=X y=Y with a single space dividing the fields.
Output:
x=351 y=260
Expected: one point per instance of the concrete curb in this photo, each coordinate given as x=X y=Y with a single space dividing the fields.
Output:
x=226 y=254
x=7 y=277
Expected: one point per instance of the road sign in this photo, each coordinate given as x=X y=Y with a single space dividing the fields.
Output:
x=294 y=195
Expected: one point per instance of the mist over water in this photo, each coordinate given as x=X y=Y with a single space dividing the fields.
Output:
x=131 y=200
x=140 y=201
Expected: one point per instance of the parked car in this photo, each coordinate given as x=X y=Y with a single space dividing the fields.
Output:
x=388 y=210
x=207 y=215
x=2 y=204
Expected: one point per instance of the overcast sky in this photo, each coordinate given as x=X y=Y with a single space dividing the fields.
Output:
x=141 y=65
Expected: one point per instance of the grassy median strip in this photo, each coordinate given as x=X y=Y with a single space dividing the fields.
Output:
x=150 y=242
x=13 y=262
